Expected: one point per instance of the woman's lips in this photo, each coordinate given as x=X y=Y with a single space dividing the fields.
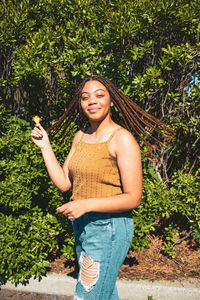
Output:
x=93 y=110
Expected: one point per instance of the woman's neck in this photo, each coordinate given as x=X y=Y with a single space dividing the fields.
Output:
x=97 y=128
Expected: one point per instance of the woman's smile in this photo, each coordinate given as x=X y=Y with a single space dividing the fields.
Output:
x=93 y=110
x=95 y=100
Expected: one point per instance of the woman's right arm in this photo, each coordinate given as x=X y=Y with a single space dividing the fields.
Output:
x=59 y=175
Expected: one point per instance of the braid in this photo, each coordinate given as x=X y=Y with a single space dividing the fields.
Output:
x=125 y=112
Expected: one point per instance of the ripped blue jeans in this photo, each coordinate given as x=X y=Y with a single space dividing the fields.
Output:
x=102 y=242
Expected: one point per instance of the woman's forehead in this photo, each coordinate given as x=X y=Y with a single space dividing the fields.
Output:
x=92 y=86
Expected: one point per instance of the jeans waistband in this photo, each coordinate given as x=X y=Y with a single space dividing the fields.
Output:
x=127 y=214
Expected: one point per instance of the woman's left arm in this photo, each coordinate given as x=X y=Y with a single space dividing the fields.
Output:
x=128 y=157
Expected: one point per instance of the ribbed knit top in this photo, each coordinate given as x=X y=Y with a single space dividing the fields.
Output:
x=94 y=171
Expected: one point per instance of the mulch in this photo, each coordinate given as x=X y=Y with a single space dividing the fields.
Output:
x=150 y=264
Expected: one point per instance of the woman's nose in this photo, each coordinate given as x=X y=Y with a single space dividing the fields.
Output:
x=92 y=100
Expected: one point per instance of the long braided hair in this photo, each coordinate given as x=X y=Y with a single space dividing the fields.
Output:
x=151 y=131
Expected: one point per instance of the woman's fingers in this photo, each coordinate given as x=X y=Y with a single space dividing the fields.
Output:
x=40 y=127
x=39 y=131
x=39 y=136
x=62 y=209
x=65 y=210
x=73 y=209
x=36 y=133
x=36 y=130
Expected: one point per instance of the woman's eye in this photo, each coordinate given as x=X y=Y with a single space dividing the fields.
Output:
x=100 y=96
x=84 y=98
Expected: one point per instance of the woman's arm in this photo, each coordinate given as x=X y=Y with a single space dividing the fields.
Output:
x=127 y=151
x=59 y=175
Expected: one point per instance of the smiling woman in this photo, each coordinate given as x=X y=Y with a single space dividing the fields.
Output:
x=95 y=101
x=152 y=132
x=104 y=170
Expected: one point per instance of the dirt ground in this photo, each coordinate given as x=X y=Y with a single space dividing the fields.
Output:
x=19 y=295
x=150 y=264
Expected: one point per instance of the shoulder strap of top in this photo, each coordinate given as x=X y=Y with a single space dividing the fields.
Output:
x=81 y=138
x=110 y=138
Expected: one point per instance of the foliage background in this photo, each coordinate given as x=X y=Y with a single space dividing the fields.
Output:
x=150 y=50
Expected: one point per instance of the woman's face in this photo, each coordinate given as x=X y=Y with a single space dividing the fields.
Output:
x=95 y=101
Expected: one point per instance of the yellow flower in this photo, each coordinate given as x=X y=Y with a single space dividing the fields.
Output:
x=36 y=119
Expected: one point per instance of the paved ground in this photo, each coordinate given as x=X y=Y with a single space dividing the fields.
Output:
x=19 y=295
x=60 y=287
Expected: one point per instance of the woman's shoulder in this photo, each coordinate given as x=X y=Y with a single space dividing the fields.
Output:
x=123 y=138
x=122 y=141
x=123 y=135
x=77 y=137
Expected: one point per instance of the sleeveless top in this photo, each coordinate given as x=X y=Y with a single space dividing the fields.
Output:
x=94 y=171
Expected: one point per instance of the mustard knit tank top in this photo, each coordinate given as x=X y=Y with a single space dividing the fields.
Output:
x=94 y=171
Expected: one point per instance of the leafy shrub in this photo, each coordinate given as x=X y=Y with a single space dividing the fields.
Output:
x=149 y=49
x=154 y=205
x=168 y=212
x=30 y=229
x=25 y=243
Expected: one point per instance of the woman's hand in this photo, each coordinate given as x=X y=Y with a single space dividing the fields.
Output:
x=74 y=209
x=39 y=136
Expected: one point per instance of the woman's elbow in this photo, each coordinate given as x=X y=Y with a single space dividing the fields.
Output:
x=64 y=187
x=63 y=190
x=136 y=200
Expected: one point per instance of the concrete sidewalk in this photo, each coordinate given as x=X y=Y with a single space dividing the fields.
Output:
x=20 y=295
x=61 y=286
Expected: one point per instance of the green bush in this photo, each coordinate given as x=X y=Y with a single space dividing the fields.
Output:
x=25 y=243
x=168 y=212
x=150 y=50
x=30 y=228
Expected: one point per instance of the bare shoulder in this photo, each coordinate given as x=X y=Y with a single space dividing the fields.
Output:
x=123 y=141
x=123 y=138
x=77 y=137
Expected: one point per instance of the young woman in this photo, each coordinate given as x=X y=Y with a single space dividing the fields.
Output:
x=104 y=170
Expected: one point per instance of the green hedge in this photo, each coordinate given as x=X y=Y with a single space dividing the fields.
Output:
x=30 y=229
x=150 y=50
x=172 y=214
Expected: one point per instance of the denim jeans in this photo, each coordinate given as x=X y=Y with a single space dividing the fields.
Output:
x=102 y=242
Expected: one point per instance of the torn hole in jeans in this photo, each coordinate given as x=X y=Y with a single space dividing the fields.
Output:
x=89 y=272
